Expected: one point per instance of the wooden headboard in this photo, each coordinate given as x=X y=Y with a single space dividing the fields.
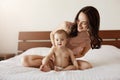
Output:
x=42 y=39
x=110 y=37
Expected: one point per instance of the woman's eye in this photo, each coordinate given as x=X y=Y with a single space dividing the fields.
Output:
x=84 y=23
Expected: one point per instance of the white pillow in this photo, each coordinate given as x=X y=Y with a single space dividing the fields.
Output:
x=37 y=51
x=104 y=50
x=107 y=54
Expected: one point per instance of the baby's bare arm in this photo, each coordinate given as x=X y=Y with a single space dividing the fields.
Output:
x=46 y=59
x=74 y=61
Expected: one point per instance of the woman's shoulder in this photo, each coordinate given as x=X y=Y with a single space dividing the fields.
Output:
x=67 y=26
x=67 y=23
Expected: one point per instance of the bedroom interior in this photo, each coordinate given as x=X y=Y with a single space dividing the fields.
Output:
x=25 y=26
x=105 y=61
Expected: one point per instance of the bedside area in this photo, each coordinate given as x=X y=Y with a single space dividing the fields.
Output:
x=4 y=56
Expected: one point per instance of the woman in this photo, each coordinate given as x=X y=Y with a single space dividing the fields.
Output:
x=83 y=35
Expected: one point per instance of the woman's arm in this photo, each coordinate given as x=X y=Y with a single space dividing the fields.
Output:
x=52 y=38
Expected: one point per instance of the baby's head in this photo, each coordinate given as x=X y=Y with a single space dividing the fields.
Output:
x=60 y=38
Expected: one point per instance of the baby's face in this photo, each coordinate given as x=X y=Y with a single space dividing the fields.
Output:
x=60 y=40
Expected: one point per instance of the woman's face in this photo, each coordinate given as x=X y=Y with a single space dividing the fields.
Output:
x=82 y=23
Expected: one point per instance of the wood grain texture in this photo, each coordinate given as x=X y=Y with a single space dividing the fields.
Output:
x=110 y=37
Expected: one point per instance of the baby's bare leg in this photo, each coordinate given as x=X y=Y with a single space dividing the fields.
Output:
x=70 y=67
x=57 y=68
x=32 y=60
x=45 y=68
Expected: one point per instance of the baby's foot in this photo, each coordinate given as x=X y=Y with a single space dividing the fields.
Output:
x=45 y=68
x=58 y=68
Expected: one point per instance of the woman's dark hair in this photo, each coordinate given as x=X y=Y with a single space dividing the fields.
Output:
x=93 y=27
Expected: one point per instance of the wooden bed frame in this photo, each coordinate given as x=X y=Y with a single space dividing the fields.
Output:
x=42 y=39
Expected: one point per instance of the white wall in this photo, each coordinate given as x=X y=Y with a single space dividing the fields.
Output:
x=38 y=15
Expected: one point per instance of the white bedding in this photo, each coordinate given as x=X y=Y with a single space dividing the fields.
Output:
x=105 y=61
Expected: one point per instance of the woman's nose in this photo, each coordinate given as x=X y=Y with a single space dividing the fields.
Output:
x=59 y=41
x=79 y=25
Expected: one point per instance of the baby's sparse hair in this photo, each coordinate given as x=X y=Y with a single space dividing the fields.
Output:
x=61 y=31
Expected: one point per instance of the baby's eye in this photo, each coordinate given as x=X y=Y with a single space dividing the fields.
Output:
x=56 y=39
x=62 y=39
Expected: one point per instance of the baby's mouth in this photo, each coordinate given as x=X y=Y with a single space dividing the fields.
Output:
x=60 y=44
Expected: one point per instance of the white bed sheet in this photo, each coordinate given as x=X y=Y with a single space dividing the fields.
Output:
x=105 y=61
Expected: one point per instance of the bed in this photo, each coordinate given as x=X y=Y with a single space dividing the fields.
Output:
x=105 y=61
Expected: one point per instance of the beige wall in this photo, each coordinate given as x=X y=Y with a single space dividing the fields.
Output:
x=27 y=15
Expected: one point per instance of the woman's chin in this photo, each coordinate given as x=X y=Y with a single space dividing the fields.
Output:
x=82 y=30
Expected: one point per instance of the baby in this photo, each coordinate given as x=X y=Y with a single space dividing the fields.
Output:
x=63 y=57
